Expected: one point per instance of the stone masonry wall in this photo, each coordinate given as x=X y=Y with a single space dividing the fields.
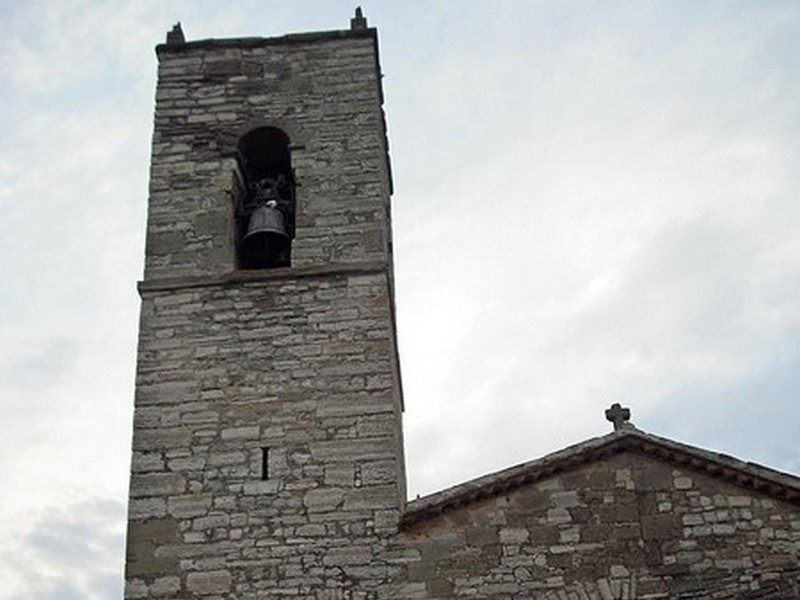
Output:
x=324 y=91
x=267 y=446
x=623 y=527
x=303 y=366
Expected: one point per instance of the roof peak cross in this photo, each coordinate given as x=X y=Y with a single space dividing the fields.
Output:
x=619 y=416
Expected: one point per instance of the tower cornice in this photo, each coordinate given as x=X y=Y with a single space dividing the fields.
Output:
x=258 y=275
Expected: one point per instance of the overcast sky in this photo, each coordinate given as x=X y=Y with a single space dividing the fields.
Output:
x=593 y=203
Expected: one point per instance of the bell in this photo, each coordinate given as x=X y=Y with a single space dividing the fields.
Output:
x=266 y=243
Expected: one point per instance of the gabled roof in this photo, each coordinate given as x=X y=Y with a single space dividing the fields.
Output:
x=749 y=475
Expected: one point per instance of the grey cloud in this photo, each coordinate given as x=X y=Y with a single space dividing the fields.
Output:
x=71 y=552
x=756 y=407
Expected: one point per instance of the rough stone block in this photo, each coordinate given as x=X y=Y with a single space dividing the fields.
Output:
x=208 y=583
x=661 y=527
x=374 y=497
x=157 y=484
x=144 y=539
x=323 y=500
x=257 y=488
x=165 y=586
x=190 y=505
x=135 y=588
x=348 y=555
x=513 y=536
x=146 y=508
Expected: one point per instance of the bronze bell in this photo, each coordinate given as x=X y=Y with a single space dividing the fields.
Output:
x=266 y=243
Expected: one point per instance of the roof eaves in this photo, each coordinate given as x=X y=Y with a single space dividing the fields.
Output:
x=744 y=474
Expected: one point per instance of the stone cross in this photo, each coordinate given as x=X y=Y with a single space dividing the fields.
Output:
x=618 y=416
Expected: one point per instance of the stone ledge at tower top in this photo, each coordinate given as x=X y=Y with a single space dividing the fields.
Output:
x=257 y=42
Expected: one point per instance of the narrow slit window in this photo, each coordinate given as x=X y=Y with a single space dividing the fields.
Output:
x=265 y=463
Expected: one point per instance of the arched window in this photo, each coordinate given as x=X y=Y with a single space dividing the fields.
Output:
x=266 y=206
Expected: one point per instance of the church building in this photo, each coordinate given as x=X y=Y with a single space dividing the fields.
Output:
x=268 y=457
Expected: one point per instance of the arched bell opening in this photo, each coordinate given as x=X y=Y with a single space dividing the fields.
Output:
x=266 y=205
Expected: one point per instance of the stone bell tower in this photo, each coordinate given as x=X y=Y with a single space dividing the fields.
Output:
x=267 y=446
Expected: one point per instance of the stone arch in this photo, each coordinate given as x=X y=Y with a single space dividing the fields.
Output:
x=265 y=207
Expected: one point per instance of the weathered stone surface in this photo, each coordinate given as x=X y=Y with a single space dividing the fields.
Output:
x=147 y=508
x=323 y=499
x=165 y=586
x=208 y=583
x=191 y=505
x=348 y=555
x=157 y=484
x=144 y=540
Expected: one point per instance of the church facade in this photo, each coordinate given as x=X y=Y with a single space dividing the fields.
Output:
x=267 y=449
